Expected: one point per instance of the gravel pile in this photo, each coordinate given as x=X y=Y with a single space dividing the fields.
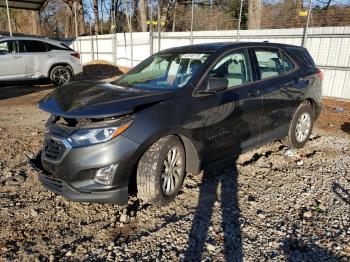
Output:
x=273 y=203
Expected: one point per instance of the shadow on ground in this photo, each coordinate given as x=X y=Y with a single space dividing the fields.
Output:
x=231 y=240
x=296 y=250
x=21 y=88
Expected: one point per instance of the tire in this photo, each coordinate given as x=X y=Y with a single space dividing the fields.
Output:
x=153 y=180
x=60 y=75
x=303 y=114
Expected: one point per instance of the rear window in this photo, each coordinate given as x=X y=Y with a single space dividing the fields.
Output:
x=272 y=62
x=303 y=55
x=54 y=47
x=66 y=47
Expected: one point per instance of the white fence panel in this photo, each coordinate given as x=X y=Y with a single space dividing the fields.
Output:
x=329 y=46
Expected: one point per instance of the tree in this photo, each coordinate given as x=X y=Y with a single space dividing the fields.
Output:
x=95 y=3
x=254 y=14
x=143 y=15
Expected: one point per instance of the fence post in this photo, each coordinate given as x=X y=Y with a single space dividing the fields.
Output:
x=131 y=50
x=97 y=46
x=304 y=39
x=239 y=22
x=92 y=45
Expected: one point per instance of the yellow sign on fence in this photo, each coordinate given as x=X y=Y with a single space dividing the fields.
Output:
x=303 y=13
x=155 y=22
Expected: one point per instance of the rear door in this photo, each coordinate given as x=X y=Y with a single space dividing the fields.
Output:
x=11 y=61
x=232 y=118
x=282 y=90
x=35 y=57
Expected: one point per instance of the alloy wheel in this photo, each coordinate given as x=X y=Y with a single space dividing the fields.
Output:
x=61 y=76
x=302 y=128
x=173 y=167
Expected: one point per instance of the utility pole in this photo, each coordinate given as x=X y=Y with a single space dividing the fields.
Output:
x=239 y=22
x=8 y=17
x=158 y=23
x=151 y=29
x=303 y=42
x=192 y=20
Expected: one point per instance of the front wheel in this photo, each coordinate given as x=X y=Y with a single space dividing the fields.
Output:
x=301 y=126
x=60 y=75
x=161 y=171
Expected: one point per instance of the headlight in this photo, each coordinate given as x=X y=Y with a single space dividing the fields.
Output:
x=84 y=137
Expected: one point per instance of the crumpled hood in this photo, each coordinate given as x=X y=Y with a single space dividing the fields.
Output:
x=86 y=99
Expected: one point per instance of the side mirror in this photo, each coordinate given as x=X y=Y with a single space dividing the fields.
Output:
x=216 y=84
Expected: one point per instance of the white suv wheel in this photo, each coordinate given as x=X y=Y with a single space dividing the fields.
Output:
x=60 y=75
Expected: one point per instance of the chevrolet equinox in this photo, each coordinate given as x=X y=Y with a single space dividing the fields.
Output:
x=174 y=113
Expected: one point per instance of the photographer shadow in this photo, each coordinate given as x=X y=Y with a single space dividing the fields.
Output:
x=216 y=191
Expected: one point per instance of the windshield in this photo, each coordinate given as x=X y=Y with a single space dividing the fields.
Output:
x=163 y=71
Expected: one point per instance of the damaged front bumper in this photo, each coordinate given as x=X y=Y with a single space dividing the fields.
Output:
x=117 y=196
x=71 y=172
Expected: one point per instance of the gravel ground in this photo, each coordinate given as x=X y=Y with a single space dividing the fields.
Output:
x=273 y=203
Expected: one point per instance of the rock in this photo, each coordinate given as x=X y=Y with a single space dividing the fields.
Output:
x=307 y=214
x=52 y=258
x=339 y=109
x=323 y=207
x=68 y=254
x=300 y=162
x=34 y=213
x=260 y=214
x=290 y=152
x=263 y=164
x=15 y=180
x=210 y=247
x=123 y=218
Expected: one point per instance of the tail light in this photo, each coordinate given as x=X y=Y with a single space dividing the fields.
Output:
x=76 y=55
x=319 y=74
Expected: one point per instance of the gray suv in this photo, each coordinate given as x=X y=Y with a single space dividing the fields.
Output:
x=28 y=58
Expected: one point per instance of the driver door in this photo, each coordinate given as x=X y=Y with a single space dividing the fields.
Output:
x=232 y=118
x=11 y=61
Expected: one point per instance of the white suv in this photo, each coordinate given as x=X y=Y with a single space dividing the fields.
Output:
x=24 y=58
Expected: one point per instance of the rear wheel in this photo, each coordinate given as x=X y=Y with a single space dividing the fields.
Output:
x=161 y=171
x=301 y=126
x=60 y=75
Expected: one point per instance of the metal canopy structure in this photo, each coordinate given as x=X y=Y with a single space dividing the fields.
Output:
x=35 y=5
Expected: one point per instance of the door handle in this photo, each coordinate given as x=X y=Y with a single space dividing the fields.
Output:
x=254 y=93
x=50 y=56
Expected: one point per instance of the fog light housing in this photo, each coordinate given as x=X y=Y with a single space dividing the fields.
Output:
x=105 y=175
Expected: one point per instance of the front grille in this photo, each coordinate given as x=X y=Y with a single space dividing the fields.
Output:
x=52 y=184
x=53 y=149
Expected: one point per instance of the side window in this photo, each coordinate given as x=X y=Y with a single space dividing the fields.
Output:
x=235 y=67
x=9 y=47
x=54 y=47
x=34 y=46
x=272 y=62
